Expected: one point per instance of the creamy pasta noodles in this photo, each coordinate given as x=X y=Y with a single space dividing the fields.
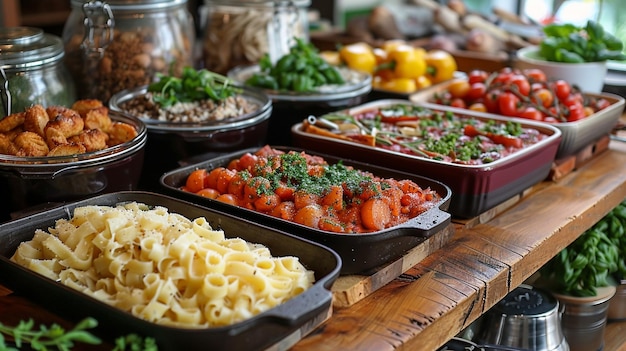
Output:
x=163 y=267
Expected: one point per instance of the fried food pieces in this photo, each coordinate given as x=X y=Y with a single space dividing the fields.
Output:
x=61 y=131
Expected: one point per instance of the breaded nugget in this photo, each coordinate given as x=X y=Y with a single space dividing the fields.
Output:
x=92 y=139
x=85 y=105
x=11 y=121
x=67 y=150
x=35 y=119
x=120 y=133
x=30 y=144
x=98 y=118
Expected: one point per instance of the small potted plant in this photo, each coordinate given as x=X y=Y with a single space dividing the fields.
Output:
x=616 y=229
x=580 y=277
x=577 y=54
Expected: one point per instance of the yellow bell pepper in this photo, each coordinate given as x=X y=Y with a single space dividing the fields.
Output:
x=441 y=65
x=407 y=61
x=400 y=85
x=359 y=56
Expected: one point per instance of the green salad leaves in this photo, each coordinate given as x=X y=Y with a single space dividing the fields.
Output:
x=574 y=44
x=193 y=85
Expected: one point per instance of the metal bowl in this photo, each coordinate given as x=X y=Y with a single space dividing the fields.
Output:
x=32 y=182
x=170 y=142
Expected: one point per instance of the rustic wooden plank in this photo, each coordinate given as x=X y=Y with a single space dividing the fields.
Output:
x=439 y=297
x=348 y=290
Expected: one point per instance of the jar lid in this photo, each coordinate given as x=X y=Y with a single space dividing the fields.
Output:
x=23 y=47
x=134 y=5
x=261 y=3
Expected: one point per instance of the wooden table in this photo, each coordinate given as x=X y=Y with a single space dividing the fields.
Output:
x=445 y=292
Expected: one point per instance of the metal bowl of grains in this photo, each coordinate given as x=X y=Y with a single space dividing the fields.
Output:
x=189 y=129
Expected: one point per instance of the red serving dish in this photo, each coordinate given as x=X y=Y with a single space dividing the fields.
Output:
x=475 y=188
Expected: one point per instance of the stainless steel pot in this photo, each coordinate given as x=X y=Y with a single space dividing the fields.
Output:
x=527 y=318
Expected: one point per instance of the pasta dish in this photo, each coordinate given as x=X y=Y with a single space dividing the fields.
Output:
x=163 y=267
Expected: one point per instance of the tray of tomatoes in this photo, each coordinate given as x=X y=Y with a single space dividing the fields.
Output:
x=581 y=117
x=485 y=160
x=369 y=215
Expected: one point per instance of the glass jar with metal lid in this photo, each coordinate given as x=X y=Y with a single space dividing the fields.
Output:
x=240 y=32
x=121 y=44
x=32 y=70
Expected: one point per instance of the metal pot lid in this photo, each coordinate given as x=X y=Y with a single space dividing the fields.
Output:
x=260 y=3
x=528 y=301
x=23 y=47
x=132 y=4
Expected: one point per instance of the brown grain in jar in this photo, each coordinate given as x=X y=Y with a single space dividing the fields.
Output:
x=116 y=45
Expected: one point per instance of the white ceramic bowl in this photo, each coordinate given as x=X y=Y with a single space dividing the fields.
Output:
x=588 y=76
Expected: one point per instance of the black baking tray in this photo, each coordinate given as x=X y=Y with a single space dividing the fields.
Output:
x=360 y=253
x=281 y=325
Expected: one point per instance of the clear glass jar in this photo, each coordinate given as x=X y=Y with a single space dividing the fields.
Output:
x=240 y=32
x=120 y=44
x=32 y=70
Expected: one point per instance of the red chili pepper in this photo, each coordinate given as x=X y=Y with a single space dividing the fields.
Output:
x=396 y=119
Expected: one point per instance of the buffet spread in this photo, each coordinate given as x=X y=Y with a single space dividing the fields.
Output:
x=240 y=206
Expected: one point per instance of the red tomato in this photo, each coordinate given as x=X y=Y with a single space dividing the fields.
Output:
x=458 y=102
x=535 y=75
x=491 y=101
x=247 y=161
x=476 y=91
x=477 y=76
x=522 y=84
x=562 y=89
x=531 y=113
x=508 y=104
x=576 y=112
x=601 y=104
x=195 y=180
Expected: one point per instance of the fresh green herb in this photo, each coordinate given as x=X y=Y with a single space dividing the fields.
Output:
x=590 y=261
x=300 y=70
x=134 y=342
x=193 y=85
x=574 y=44
x=48 y=338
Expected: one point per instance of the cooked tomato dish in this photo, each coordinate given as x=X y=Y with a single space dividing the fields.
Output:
x=437 y=135
x=306 y=189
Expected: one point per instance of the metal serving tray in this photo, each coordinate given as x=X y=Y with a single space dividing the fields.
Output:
x=282 y=325
x=574 y=135
x=475 y=188
x=360 y=253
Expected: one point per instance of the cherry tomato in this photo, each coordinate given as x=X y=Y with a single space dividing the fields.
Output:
x=601 y=104
x=476 y=91
x=562 y=89
x=195 y=180
x=477 y=76
x=535 y=75
x=491 y=101
x=576 y=112
x=531 y=113
x=508 y=104
x=458 y=102
x=543 y=96
x=459 y=88
x=478 y=106
x=522 y=84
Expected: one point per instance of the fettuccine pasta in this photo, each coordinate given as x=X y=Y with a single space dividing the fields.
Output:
x=162 y=266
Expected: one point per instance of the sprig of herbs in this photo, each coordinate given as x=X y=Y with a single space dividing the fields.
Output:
x=56 y=337
x=193 y=85
x=47 y=338
x=574 y=44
